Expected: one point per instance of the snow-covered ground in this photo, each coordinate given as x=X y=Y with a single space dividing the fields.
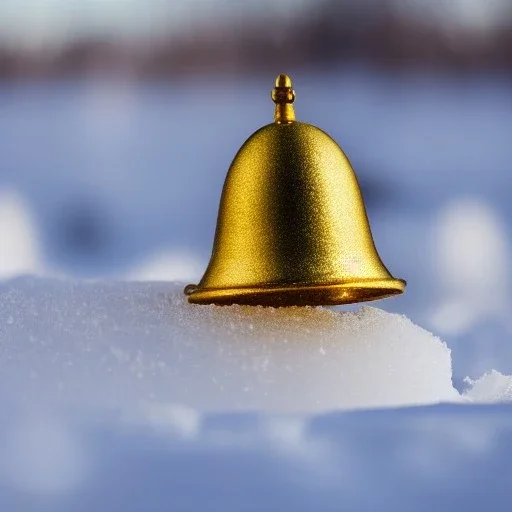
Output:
x=118 y=395
x=118 y=344
x=122 y=396
x=443 y=458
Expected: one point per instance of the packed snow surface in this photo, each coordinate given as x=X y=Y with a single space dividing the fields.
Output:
x=122 y=396
x=119 y=344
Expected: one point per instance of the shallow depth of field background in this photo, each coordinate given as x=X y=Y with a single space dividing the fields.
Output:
x=119 y=119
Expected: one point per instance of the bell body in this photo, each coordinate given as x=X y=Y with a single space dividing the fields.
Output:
x=292 y=228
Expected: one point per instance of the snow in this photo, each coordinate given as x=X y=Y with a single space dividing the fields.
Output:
x=19 y=245
x=472 y=255
x=444 y=458
x=41 y=455
x=490 y=387
x=120 y=344
x=122 y=396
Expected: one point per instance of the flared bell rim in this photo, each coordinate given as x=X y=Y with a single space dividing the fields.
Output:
x=331 y=294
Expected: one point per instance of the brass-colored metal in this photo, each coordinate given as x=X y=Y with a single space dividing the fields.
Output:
x=292 y=228
x=283 y=96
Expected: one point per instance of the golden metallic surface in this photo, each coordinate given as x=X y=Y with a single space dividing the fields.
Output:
x=292 y=228
x=283 y=96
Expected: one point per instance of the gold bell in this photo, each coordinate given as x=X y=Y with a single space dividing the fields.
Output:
x=292 y=228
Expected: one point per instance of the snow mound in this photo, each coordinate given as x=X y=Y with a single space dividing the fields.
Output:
x=123 y=344
x=472 y=253
x=491 y=387
x=19 y=245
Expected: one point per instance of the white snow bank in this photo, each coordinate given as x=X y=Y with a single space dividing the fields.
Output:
x=441 y=458
x=471 y=251
x=19 y=246
x=122 y=344
x=491 y=387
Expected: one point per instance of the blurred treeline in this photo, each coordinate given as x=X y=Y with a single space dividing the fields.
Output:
x=323 y=34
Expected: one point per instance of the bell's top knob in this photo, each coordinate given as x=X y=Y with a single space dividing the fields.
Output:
x=283 y=96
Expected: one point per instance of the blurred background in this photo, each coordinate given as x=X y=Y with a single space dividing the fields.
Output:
x=119 y=119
